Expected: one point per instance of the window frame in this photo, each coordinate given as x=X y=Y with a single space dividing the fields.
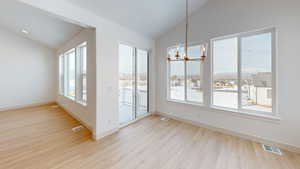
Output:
x=63 y=79
x=185 y=101
x=239 y=109
x=80 y=73
x=135 y=78
x=207 y=84
x=61 y=74
x=67 y=76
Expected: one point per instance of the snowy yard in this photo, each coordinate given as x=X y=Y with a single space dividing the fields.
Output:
x=221 y=98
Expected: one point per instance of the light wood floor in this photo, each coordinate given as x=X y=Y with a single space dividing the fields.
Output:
x=41 y=138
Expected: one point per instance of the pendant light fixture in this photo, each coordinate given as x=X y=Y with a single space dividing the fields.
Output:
x=175 y=54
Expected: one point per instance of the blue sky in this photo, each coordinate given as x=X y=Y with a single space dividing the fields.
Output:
x=126 y=60
x=256 y=54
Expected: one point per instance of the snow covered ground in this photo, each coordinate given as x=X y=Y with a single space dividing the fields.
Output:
x=126 y=113
x=126 y=108
x=222 y=98
x=226 y=98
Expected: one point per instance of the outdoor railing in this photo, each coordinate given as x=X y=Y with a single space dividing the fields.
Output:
x=125 y=97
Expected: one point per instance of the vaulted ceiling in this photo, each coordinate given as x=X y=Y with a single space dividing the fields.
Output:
x=149 y=17
x=42 y=27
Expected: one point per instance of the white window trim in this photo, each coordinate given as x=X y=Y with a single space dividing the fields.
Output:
x=77 y=82
x=208 y=88
x=61 y=75
x=274 y=114
x=185 y=101
x=66 y=87
x=135 y=59
x=79 y=73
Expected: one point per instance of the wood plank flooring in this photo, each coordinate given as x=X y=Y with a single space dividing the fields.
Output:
x=41 y=138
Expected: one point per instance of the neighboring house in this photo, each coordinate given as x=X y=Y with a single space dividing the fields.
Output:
x=260 y=92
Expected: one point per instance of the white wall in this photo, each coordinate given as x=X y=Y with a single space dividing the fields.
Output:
x=86 y=114
x=219 y=18
x=27 y=71
x=108 y=37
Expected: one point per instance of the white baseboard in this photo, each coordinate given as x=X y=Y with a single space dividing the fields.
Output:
x=26 y=106
x=108 y=133
x=233 y=133
x=136 y=120
x=78 y=119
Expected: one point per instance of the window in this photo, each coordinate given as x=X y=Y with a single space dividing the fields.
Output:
x=82 y=72
x=193 y=78
x=73 y=74
x=243 y=76
x=185 y=77
x=177 y=91
x=61 y=74
x=225 y=75
x=70 y=74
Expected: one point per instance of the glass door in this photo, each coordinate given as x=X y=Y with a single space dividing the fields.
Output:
x=142 y=82
x=133 y=83
x=126 y=84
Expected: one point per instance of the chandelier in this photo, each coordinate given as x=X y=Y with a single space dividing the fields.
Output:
x=177 y=53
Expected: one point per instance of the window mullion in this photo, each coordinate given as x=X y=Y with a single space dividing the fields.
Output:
x=274 y=74
x=64 y=74
x=77 y=69
x=135 y=95
x=210 y=85
x=67 y=74
x=185 y=80
x=202 y=83
x=76 y=74
x=169 y=79
x=80 y=57
x=239 y=62
x=81 y=74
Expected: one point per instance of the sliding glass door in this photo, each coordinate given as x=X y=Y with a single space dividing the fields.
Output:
x=126 y=84
x=141 y=82
x=133 y=83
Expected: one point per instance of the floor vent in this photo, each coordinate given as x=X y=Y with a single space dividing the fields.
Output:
x=77 y=128
x=272 y=149
x=164 y=119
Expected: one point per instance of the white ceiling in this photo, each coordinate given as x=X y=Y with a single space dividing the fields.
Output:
x=43 y=28
x=150 y=17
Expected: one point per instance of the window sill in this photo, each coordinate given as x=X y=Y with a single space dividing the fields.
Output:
x=243 y=114
x=250 y=115
x=73 y=100
x=186 y=102
x=81 y=103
